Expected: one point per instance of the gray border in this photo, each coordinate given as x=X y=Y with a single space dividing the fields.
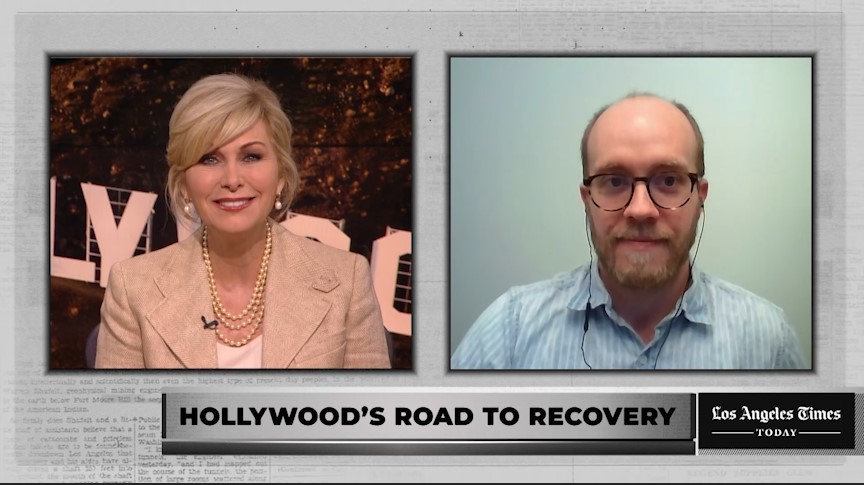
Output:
x=838 y=356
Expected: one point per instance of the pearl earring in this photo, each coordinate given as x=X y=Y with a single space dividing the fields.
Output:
x=278 y=205
x=189 y=210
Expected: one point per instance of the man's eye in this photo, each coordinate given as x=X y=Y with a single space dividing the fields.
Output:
x=669 y=180
x=616 y=182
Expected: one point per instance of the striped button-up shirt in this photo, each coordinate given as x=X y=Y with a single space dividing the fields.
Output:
x=542 y=326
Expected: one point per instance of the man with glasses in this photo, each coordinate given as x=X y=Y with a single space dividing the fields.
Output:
x=642 y=304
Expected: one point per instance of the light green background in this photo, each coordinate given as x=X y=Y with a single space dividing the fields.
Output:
x=515 y=212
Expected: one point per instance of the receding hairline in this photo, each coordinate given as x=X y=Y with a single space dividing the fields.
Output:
x=700 y=143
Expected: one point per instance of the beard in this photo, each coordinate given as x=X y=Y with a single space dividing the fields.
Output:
x=641 y=270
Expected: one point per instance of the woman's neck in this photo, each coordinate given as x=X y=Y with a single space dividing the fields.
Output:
x=236 y=258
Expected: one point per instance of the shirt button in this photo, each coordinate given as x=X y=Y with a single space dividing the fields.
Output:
x=642 y=360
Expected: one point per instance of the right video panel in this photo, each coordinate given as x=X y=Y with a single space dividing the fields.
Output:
x=650 y=213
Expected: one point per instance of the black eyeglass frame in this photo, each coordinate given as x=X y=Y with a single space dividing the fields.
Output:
x=694 y=177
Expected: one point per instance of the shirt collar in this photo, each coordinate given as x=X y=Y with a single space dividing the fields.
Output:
x=694 y=307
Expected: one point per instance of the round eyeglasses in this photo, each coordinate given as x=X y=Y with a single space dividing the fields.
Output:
x=613 y=192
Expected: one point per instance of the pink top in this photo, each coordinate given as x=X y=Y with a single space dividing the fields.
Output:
x=245 y=357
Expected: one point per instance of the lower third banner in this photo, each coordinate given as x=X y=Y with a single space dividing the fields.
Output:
x=424 y=422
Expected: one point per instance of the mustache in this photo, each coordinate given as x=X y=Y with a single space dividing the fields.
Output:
x=641 y=235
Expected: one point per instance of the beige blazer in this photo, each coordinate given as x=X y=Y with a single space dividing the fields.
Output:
x=321 y=310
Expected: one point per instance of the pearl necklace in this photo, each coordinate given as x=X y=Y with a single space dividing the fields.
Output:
x=254 y=309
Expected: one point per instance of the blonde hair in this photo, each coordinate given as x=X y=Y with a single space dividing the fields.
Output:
x=214 y=111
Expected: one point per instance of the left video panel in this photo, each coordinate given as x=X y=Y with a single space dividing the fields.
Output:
x=299 y=169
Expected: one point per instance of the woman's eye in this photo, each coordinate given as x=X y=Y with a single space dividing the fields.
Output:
x=208 y=160
x=252 y=157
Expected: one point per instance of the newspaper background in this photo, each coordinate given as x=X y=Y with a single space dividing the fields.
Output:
x=98 y=426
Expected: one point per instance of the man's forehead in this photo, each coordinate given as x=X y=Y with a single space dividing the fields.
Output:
x=642 y=118
x=643 y=109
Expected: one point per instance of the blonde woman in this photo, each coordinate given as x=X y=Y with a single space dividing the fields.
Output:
x=242 y=291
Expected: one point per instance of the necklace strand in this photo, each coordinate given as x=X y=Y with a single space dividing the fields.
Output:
x=254 y=309
x=244 y=340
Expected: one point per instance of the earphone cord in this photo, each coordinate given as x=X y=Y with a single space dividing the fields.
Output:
x=689 y=281
x=587 y=303
x=680 y=302
x=587 y=309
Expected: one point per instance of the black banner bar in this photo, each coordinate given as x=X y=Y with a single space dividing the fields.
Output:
x=409 y=447
x=776 y=420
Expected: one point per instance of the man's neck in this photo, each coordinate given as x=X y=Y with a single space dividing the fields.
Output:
x=643 y=309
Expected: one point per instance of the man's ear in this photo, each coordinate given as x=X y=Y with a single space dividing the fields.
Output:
x=703 y=191
x=585 y=194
